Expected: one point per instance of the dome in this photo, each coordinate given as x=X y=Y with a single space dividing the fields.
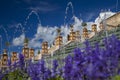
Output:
x=94 y=25
x=5 y=55
x=85 y=30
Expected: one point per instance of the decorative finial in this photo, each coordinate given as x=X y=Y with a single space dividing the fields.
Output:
x=58 y=31
x=84 y=24
x=71 y=27
x=5 y=51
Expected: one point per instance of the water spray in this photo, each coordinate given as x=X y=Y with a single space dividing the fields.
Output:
x=66 y=11
x=19 y=27
x=28 y=17
x=1 y=27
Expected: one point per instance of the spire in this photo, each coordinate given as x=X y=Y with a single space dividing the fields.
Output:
x=5 y=51
x=84 y=24
x=38 y=51
x=94 y=28
x=58 y=31
x=26 y=41
x=71 y=28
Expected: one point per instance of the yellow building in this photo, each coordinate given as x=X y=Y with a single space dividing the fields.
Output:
x=14 y=57
x=44 y=48
x=25 y=49
x=113 y=21
x=72 y=35
x=4 y=60
x=85 y=33
x=94 y=28
x=59 y=38
x=25 y=52
x=31 y=53
x=101 y=26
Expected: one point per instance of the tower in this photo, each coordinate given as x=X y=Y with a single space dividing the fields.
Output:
x=72 y=35
x=4 y=61
x=85 y=33
x=25 y=49
x=94 y=28
x=31 y=53
x=45 y=47
x=14 y=57
x=58 y=39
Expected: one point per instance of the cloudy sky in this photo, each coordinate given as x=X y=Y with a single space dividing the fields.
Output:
x=39 y=19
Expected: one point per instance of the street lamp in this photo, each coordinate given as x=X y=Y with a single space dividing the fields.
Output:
x=105 y=25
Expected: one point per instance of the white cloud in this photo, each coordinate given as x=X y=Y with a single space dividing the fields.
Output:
x=43 y=33
x=18 y=41
x=77 y=23
x=48 y=33
x=90 y=16
x=89 y=25
x=103 y=15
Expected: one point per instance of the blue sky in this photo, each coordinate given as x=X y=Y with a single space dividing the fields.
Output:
x=50 y=12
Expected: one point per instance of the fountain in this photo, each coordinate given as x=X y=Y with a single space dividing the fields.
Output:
x=28 y=17
x=6 y=34
x=69 y=5
x=18 y=28
x=21 y=27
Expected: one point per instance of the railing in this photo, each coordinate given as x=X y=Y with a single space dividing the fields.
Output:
x=65 y=50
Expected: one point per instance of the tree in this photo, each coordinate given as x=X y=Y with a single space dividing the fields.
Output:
x=84 y=24
x=38 y=51
x=26 y=40
x=58 y=31
x=71 y=27
x=7 y=44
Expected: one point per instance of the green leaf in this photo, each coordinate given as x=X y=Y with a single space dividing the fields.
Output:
x=26 y=40
x=84 y=24
x=117 y=77
x=57 y=78
x=7 y=44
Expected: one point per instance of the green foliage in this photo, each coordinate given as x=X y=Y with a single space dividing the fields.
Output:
x=38 y=51
x=16 y=75
x=7 y=44
x=26 y=40
x=84 y=24
x=58 y=30
x=57 y=78
x=5 y=77
x=117 y=77
x=71 y=26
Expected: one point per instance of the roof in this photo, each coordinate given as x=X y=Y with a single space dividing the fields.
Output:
x=114 y=20
x=85 y=29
